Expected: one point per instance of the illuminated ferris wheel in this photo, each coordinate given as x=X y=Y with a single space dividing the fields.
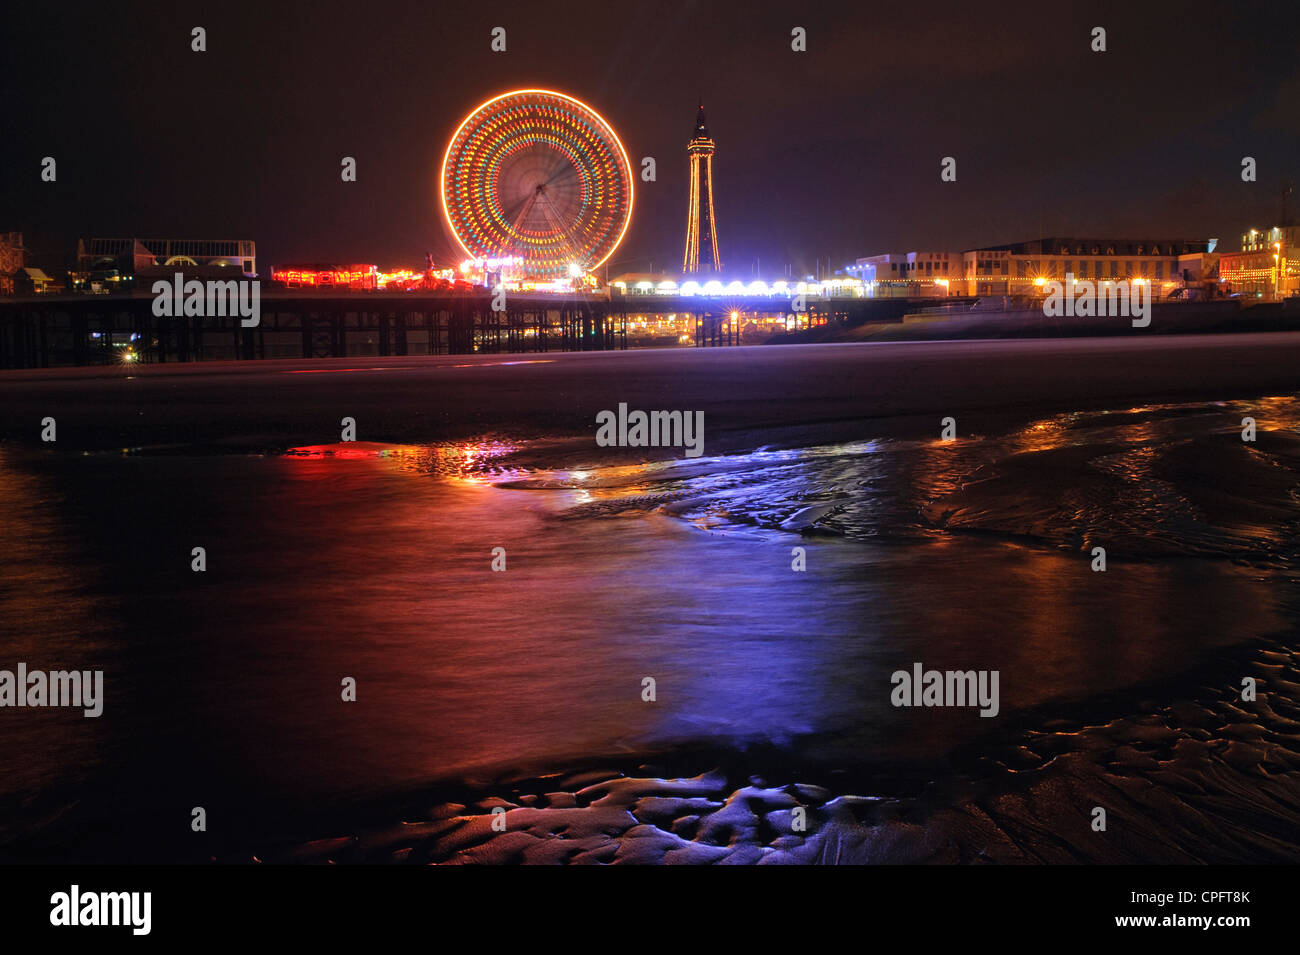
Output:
x=538 y=176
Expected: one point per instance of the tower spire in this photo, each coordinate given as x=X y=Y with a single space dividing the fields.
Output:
x=701 y=127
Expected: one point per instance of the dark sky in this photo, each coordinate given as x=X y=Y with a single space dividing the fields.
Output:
x=833 y=152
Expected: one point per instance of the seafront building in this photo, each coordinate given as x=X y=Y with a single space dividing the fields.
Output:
x=1021 y=268
x=108 y=264
x=1268 y=265
x=909 y=274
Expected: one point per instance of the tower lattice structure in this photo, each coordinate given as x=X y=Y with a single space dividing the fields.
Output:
x=701 y=226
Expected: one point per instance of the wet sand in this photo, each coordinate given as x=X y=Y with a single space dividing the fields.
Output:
x=825 y=391
x=1121 y=689
x=1203 y=781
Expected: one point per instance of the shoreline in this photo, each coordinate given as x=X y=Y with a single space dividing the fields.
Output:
x=897 y=389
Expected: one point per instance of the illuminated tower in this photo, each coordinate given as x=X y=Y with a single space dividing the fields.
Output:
x=701 y=227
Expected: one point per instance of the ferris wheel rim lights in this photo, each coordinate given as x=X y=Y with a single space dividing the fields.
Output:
x=601 y=132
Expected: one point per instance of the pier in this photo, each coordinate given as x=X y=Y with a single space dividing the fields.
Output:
x=43 y=331
x=46 y=331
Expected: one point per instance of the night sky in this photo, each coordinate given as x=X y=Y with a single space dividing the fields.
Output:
x=830 y=153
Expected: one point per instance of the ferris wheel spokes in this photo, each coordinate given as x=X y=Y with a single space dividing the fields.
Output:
x=556 y=223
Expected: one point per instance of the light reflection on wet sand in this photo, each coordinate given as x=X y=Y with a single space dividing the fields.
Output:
x=373 y=562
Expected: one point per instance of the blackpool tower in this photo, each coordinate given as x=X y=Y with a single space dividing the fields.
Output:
x=701 y=228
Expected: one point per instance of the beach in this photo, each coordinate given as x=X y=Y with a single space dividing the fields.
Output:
x=522 y=689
